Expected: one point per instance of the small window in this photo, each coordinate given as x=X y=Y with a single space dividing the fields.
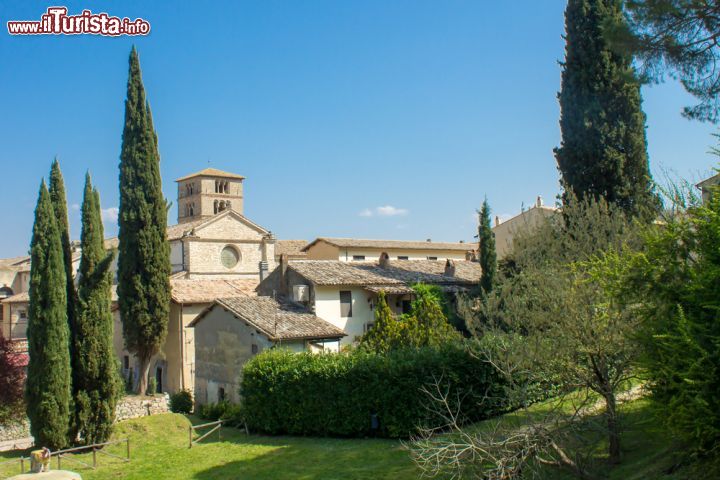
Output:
x=126 y=362
x=358 y=258
x=403 y=257
x=346 y=304
x=221 y=394
x=368 y=326
x=432 y=258
x=406 y=306
x=22 y=314
x=254 y=348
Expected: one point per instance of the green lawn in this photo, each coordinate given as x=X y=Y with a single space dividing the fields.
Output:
x=159 y=450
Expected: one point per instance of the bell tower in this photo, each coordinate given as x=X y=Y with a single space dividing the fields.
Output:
x=207 y=193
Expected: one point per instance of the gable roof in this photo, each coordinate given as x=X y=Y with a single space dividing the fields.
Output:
x=206 y=291
x=277 y=319
x=291 y=248
x=211 y=172
x=408 y=244
x=176 y=232
x=398 y=272
x=714 y=180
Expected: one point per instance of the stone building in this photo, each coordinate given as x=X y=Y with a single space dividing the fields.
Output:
x=233 y=330
x=524 y=221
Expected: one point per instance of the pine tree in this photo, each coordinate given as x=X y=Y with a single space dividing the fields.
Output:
x=488 y=257
x=48 y=389
x=96 y=384
x=144 y=253
x=604 y=149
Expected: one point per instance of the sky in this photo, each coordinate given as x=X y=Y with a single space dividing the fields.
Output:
x=368 y=119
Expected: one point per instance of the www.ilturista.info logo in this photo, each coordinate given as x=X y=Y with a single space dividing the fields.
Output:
x=56 y=21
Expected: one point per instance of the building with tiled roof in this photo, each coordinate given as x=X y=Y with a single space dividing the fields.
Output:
x=232 y=330
x=360 y=250
x=345 y=293
x=293 y=249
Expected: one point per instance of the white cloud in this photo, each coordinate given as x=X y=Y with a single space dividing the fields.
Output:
x=75 y=207
x=110 y=214
x=390 y=211
x=384 y=211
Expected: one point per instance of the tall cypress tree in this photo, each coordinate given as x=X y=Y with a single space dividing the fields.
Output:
x=488 y=256
x=48 y=389
x=96 y=385
x=58 y=198
x=604 y=149
x=144 y=253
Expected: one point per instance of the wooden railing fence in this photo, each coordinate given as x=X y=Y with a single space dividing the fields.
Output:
x=67 y=454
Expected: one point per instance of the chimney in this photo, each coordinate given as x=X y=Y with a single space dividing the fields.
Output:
x=539 y=201
x=449 y=268
x=263 y=270
x=497 y=220
x=283 y=274
x=384 y=260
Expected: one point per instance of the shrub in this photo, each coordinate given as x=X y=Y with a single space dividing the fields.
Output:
x=181 y=402
x=341 y=394
x=12 y=379
x=152 y=387
x=232 y=413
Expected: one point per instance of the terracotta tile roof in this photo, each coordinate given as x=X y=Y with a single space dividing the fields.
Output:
x=278 y=319
x=211 y=172
x=13 y=262
x=291 y=248
x=206 y=291
x=398 y=272
x=23 y=297
x=175 y=232
x=416 y=245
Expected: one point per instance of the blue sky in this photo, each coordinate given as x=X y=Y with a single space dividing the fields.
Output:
x=375 y=119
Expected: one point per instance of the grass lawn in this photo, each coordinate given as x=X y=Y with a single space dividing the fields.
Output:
x=159 y=450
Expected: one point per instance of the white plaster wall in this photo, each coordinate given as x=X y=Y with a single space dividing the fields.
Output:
x=346 y=254
x=327 y=307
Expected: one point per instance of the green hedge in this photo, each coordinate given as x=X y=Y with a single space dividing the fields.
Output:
x=337 y=394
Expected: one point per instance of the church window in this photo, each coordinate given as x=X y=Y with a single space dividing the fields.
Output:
x=215 y=207
x=192 y=209
x=229 y=257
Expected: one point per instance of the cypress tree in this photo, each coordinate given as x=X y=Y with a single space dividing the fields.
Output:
x=144 y=253
x=603 y=150
x=488 y=257
x=96 y=382
x=48 y=389
x=58 y=198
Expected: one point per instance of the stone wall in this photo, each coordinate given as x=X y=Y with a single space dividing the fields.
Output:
x=17 y=435
x=132 y=406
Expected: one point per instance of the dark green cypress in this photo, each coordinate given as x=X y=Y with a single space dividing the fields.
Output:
x=488 y=257
x=144 y=253
x=48 y=389
x=604 y=149
x=96 y=383
x=58 y=198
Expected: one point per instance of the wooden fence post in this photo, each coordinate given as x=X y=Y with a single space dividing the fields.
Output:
x=190 y=429
x=22 y=465
x=94 y=458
